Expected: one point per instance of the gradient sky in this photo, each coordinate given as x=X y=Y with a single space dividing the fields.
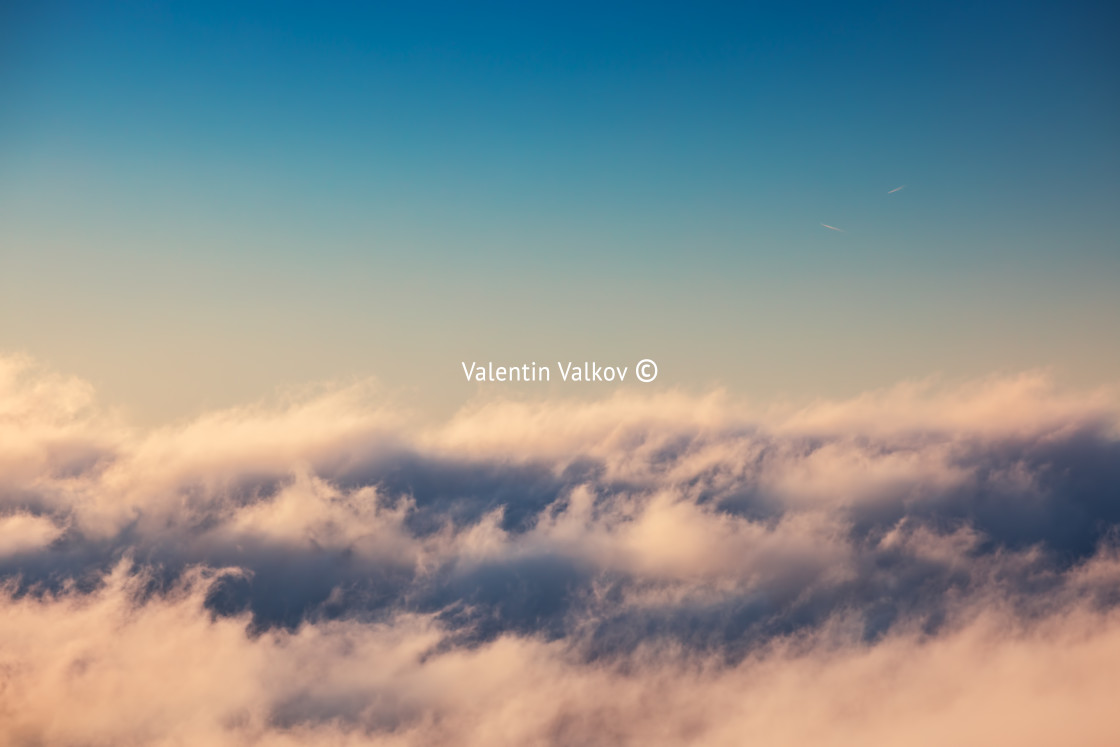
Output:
x=200 y=203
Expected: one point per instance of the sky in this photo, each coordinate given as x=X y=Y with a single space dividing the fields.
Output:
x=248 y=496
x=205 y=202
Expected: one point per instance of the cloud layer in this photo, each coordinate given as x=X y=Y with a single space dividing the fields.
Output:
x=918 y=565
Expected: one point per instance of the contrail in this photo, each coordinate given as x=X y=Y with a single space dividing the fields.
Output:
x=834 y=228
x=896 y=189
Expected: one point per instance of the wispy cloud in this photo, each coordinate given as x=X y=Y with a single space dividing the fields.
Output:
x=833 y=228
x=896 y=189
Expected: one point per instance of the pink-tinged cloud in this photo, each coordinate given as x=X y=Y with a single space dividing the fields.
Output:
x=919 y=565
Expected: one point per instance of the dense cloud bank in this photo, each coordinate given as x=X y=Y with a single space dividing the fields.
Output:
x=912 y=566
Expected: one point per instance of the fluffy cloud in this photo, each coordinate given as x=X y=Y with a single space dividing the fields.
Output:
x=919 y=565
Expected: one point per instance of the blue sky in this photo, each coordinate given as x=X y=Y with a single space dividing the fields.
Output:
x=203 y=202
